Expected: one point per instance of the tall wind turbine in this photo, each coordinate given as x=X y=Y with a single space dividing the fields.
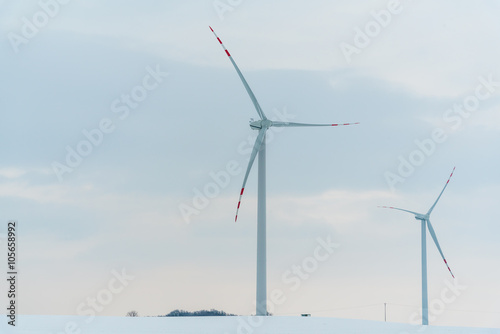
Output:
x=262 y=125
x=426 y=223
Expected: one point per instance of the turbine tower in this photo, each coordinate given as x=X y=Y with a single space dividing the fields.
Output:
x=262 y=125
x=426 y=223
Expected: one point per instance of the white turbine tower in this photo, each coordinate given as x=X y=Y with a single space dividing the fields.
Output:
x=262 y=125
x=426 y=223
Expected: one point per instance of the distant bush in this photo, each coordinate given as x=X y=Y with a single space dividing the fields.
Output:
x=132 y=314
x=202 y=313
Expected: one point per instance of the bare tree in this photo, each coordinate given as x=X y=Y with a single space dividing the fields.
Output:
x=132 y=314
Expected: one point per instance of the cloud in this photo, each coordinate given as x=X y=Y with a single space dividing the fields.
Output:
x=11 y=172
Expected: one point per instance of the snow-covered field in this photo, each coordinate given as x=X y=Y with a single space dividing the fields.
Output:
x=220 y=325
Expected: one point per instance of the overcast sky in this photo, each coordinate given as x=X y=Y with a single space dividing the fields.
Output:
x=124 y=140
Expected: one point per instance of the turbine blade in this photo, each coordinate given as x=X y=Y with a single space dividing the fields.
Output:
x=432 y=207
x=290 y=124
x=433 y=235
x=247 y=87
x=255 y=150
x=393 y=208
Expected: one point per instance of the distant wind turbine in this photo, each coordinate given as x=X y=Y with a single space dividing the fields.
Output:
x=262 y=125
x=425 y=220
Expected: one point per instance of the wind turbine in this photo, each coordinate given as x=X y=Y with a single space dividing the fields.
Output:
x=262 y=125
x=426 y=223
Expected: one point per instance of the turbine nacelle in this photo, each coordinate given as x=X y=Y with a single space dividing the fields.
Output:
x=421 y=217
x=260 y=124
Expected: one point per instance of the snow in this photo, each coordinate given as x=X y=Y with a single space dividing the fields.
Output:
x=219 y=325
